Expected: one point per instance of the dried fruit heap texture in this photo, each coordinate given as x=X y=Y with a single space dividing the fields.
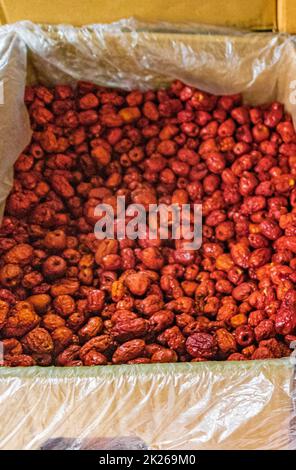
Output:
x=68 y=299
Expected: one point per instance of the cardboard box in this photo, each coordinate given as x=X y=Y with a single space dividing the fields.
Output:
x=244 y=14
x=286 y=16
x=207 y=405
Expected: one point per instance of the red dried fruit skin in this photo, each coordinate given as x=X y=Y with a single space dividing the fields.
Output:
x=201 y=345
x=174 y=338
x=95 y=300
x=226 y=342
x=128 y=351
x=137 y=283
x=161 y=320
x=262 y=353
x=62 y=337
x=64 y=305
x=64 y=287
x=125 y=330
x=12 y=347
x=69 y=299
x=21 y=360
x=38 y=341
x=236 y=357
x=150 y=305
x=244 y=335
x=68 y=355
x=20 y=254
x=21 y=319
x=265 y=330
x=94 y=358
x=285 y=321
x=4 y=310
x=164 y=355
x=102 y=344
x=51 y=321
x=92 y=328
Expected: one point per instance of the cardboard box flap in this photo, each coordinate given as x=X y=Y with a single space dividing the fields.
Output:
x=286 y=16
x=244 y=14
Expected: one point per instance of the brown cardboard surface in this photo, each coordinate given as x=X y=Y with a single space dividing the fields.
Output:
x=286 y=13
x=249 y=14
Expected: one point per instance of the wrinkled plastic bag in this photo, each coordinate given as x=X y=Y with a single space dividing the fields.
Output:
x=210 y=405
x=206 y=405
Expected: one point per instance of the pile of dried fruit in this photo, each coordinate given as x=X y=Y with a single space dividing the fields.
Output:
x=69 y=299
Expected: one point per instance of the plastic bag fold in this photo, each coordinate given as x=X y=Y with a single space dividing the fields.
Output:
x=210 y=405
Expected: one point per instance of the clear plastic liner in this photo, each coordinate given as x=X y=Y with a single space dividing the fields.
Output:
x=210 y=405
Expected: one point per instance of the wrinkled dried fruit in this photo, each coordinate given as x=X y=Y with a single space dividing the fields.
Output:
x=38 y=341
x=201 y=345
x=128 y=351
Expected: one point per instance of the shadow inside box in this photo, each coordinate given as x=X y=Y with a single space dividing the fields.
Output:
x=101 y=443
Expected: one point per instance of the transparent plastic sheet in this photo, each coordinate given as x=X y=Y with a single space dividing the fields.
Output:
x=14 y=122
x=211 y=405
x=214 y=405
